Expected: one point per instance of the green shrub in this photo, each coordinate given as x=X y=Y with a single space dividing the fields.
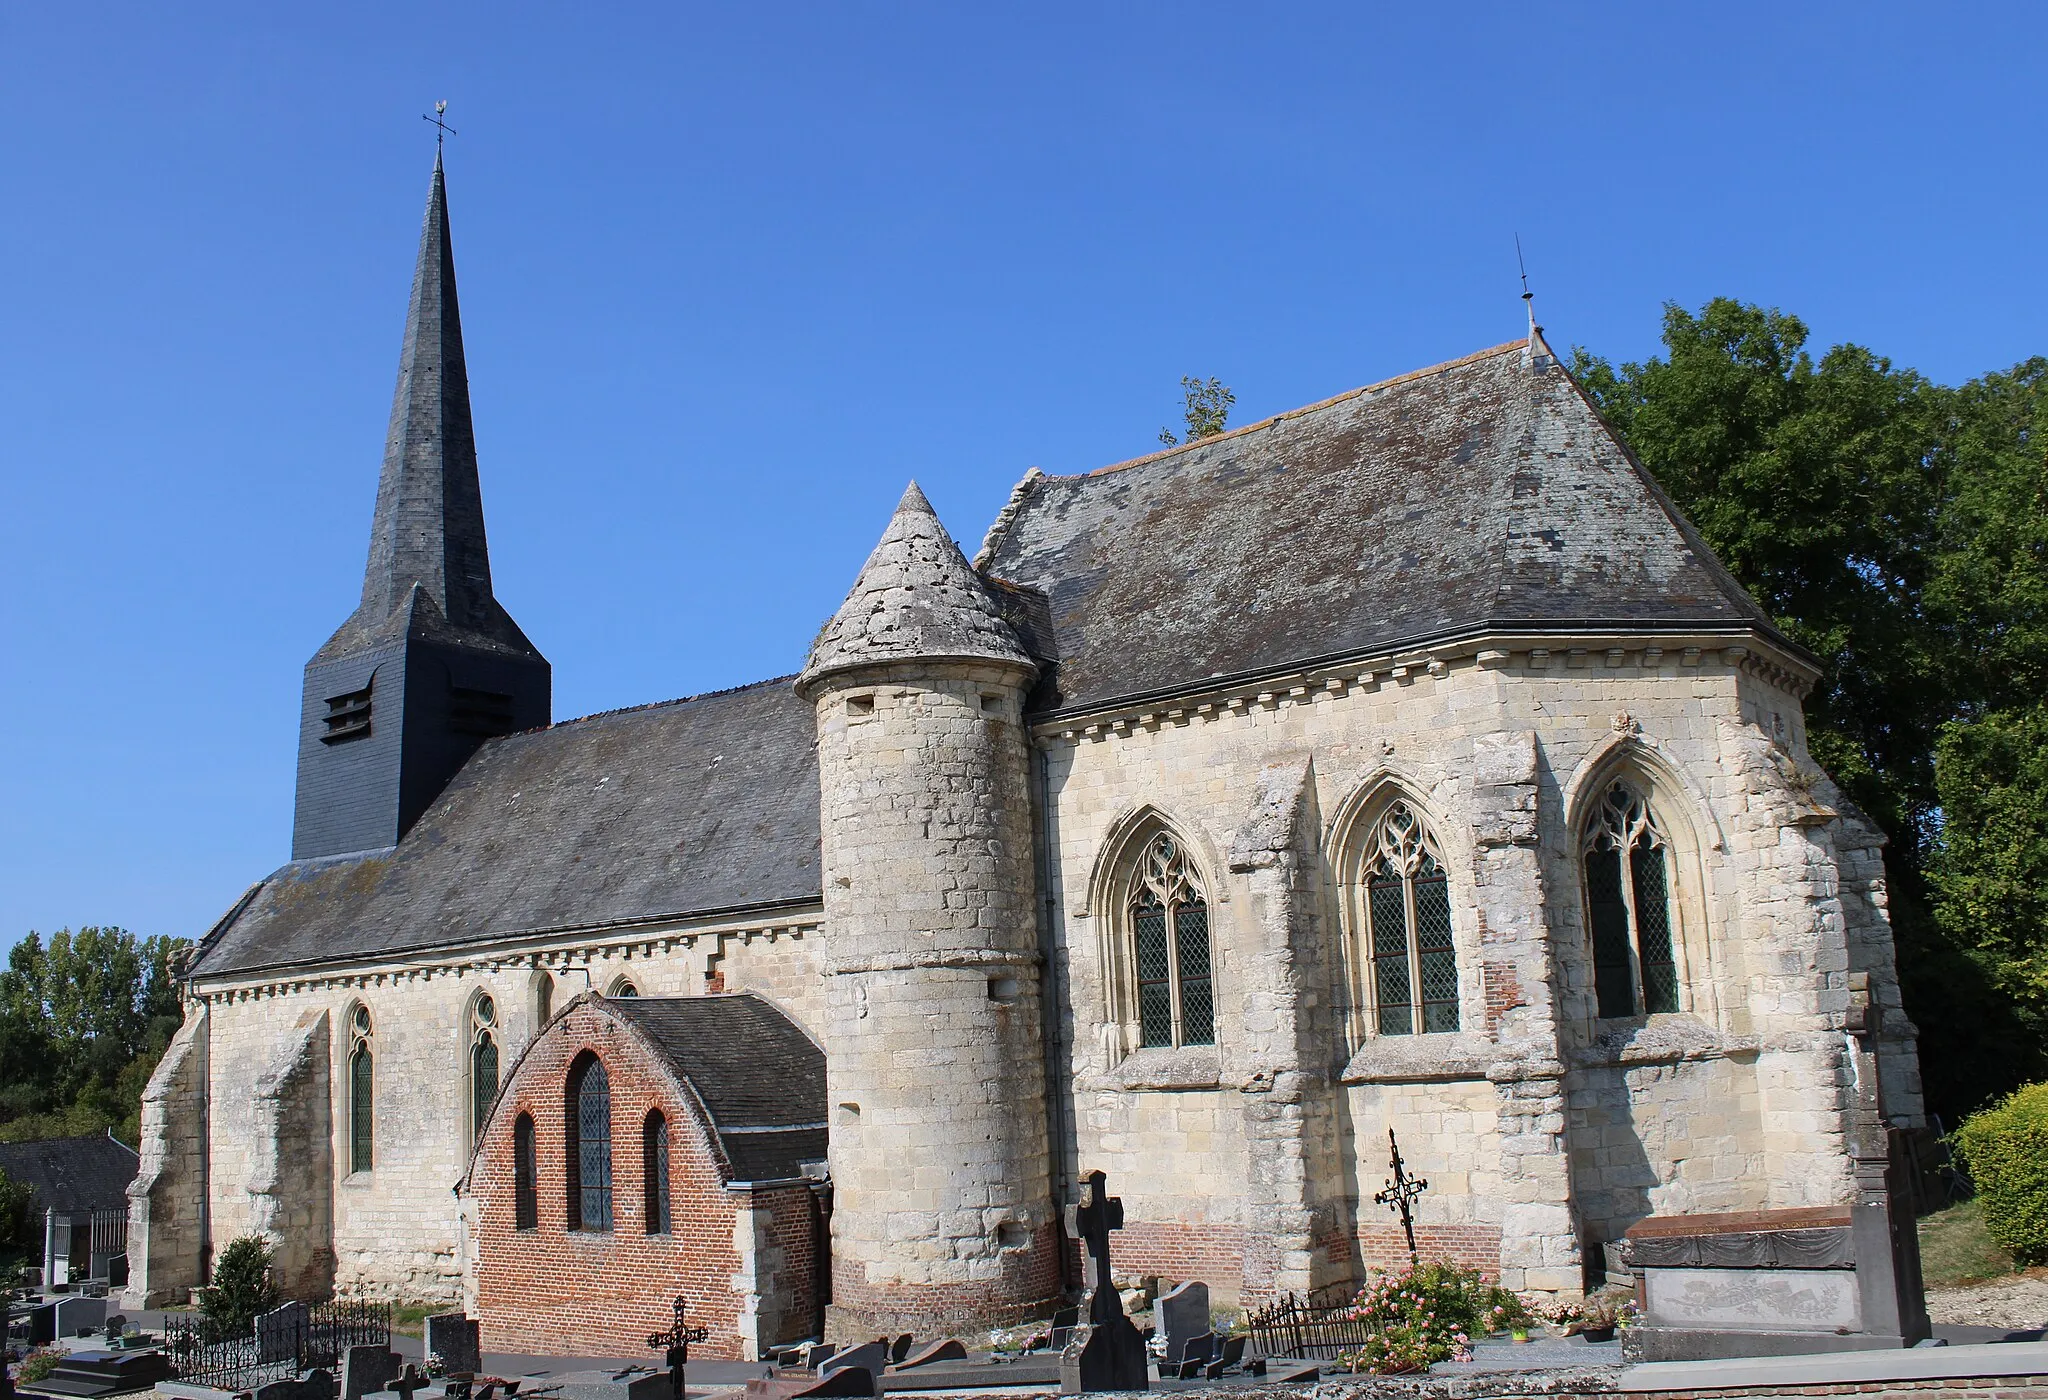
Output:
x=241 y=1288
x=2006 y=1149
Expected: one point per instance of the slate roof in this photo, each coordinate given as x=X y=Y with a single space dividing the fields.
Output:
x=427 y=545
x=1481 y=494
x=692 y=807
x=917 y=598
x=89 y=1172
x=758 y=1075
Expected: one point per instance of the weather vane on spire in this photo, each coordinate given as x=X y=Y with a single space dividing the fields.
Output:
x=442 y=131
x=1528 y=297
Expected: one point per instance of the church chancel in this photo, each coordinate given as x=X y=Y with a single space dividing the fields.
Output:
x=1404 y=762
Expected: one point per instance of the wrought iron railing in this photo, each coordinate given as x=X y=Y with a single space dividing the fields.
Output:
x=1320 y=1327
x=204 y=1353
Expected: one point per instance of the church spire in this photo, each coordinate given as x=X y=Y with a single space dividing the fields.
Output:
x=428 y=666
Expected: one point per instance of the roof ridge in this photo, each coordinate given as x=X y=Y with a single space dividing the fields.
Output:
x=1491 y=352
x=659 y=704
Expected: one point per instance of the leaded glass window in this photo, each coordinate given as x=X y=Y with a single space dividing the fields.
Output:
x=1628 y=906
x=1406 y=910
x=483 y=1062
x=1169 y=919
x=525 y=1188
x=362 y=1091
x=589 y=1152
x=654 y=1171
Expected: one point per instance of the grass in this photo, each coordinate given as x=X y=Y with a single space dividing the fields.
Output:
x=1955 y=1248
x=410 y=1319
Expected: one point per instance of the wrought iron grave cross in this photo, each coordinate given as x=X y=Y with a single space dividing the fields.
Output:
x=676 y=1343
x=1401 y=1190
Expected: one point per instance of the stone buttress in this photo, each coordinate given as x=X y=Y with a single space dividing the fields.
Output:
x=942 y=1208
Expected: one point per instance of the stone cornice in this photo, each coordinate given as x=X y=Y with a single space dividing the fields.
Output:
x=1743 y=650
x=572 y=949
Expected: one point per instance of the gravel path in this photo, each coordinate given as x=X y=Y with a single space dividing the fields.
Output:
x=2018 y=1302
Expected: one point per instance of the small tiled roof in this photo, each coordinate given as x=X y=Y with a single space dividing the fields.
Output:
x=88 y=1172
x=758 y=1075
x=692 y=807
x=1484 y=494
x=917 y=599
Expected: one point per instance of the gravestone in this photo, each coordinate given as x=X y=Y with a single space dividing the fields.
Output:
x=818 y=1353
x=1105 y=1352
x=1195 y=1353
x=900 y=1348
x=1180 y=1314
x=1230 y=1356
x=281 y=1333
x=452 y=1337
x=952 y=1349
x=1062 y=1327
x=406 y=1382
x=872 y=1357
x=367 y=1369
x=74 y=1313
x=637 y=1383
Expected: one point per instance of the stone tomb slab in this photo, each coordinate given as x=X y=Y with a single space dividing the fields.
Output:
x=872 y=1357
x=1777 y=1300
x=611 y=1385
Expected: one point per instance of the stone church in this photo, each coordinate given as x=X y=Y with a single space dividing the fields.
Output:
x=1403 y=763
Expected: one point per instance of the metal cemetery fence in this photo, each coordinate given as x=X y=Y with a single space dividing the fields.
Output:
x=203 y=1355
x=1316 y=1328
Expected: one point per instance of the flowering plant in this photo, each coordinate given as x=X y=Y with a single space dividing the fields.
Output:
x=1426 y=1314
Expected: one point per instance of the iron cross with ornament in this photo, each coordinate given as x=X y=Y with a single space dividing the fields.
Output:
x=676 y=1343
x=1402 y=1189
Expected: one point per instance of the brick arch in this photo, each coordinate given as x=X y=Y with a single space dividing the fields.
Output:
x=550 y=1290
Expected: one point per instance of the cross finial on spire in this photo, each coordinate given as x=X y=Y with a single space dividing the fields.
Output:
x=1528 y=297
x=442 y=131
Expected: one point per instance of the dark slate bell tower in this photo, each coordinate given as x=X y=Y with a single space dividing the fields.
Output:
x=429 y=666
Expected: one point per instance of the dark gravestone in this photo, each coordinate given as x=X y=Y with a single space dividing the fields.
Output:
x=952 y=1349
x=1230 y=1356
x=407 y=1381
x=847 y=1381
x=818 y=1353
x=1105 y=1352
x=900 y=1348
x=366 y=1369
x=1182 y=1313
x=1062 y=1327
x=281 y=1333
x=452 y=1339
x=1195 y=1353
x=278 y=1390
x=872 y=1357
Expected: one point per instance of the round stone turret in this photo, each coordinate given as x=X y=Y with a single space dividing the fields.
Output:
x=942 y=1210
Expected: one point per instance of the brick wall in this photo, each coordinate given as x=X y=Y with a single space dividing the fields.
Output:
x=553 y=1291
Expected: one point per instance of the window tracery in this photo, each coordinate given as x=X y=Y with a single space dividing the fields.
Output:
x=1628 y=906
x=1403 y=914
x=362 y=1098
x=1168 y=911
x=483 y=1061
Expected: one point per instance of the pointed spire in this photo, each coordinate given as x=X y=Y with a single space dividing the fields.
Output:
x=916 y=599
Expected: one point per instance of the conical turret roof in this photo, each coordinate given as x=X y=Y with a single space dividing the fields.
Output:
x=917 y=599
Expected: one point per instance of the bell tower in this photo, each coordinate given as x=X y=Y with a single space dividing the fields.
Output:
x=935 y=1078
x=428 y=666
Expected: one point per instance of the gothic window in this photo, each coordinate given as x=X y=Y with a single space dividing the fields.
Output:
x=483 y=1061
x=543 y=1001
x=1169 y=922
x=525 y=1189
x=622 y=987
x=1405 y=917
x=589 y=1154
x=362 y=1096
x=1628 y=906
x=654 y=1171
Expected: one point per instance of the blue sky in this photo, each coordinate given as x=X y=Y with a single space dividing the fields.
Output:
x=731 y=276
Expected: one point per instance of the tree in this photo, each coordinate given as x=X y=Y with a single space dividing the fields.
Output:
x=1206 y=409
x=83 y=1020
x=1895 y=528
x=242 y=1287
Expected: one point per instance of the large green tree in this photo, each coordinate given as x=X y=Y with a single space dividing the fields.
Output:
x=1893 y=527
x=84 y=1018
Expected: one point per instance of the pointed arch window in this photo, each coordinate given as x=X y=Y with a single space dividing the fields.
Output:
x=543 y=1000
x=362 y=1090
x=483 y=1061
x=654 y=1172
x=525 y=1183
x=1404 y=915
x=589 y=1146
x=1628 y=906
x=1169 y=920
